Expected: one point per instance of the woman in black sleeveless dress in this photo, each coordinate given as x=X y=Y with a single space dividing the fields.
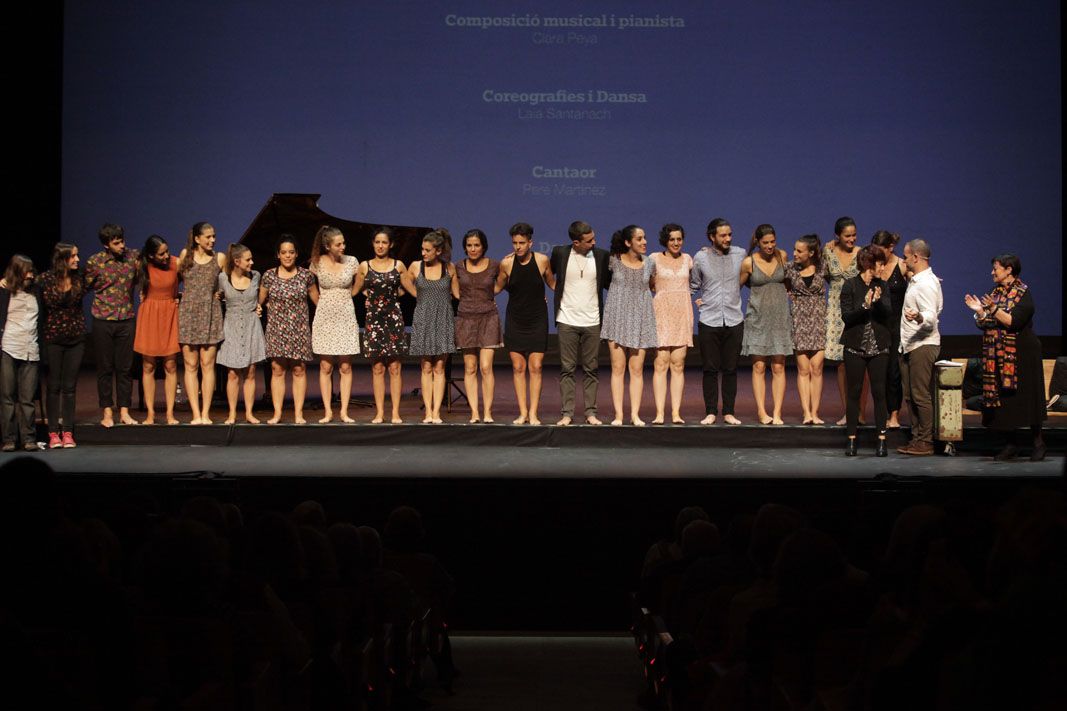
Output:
x=524 y=274
x=896 y=284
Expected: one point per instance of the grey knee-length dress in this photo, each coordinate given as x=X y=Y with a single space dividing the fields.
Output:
x=243 y=342
x=433 y=327
x=629 y=316
x=768 y=328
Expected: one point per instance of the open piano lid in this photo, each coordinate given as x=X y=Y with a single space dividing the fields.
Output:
x=299 y=214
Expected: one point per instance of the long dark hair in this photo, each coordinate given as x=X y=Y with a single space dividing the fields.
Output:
x=761 y=232
x=61 y=255
x=321 y=246
x=190 y=245
x=814 y=245
x=17 y=269
x=151 y=246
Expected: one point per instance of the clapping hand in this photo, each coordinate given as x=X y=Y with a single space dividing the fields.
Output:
x=973 y=303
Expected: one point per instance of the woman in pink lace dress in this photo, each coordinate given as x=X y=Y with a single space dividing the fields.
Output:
x=674 y=321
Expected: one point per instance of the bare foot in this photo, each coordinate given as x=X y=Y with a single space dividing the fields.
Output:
x=730 y=420
x=428 y=420
x=326 y=418
x=346 y=418
x=437 y=420
x=806 y=421
x=251 y=419
x=563 y=422
x=473 y=420
x=205 y=420
x=593 y=420
x=396 y=420
x=677 y=419
x=534 y=420
x=172 y=420
x=843 y=421
x=765 y=419
x=150 y=418
x=708 y=420
x=892 y=425
x=231 y=420
x=276 y=419
x=488 y=419
x=108 y=420
x=195 y=421
x=378 y=419
x=617 y=422
x=299 y=419
x=637 y=421
x=520 y=420
x=777 y=421
x=816 y=421
x=124 y=417
x=657 y=420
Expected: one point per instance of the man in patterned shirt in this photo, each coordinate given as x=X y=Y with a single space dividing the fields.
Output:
x=110 y=275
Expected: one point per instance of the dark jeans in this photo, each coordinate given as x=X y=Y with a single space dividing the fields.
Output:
x=113 y=347
x=876 y=366
x=64 y=362
x=18 y=389
x=578 y=345
x=720 y=348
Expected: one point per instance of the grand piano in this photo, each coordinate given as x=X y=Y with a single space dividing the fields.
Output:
x=299 y=214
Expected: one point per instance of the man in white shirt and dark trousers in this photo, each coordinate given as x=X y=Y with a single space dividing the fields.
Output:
x=920 y=345
x=582 y=275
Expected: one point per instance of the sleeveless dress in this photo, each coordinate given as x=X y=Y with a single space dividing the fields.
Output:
x=835 y=326
x=243 y=344
x=478 y=320
x=157 y=316
x=768 y=330
x=526 y=318
x=288 y=322
x=629 y=317
x=200 y=313
x=672 y=304
x=433 y=324
x=809 y=310
x=335 y=330
x=383 y=335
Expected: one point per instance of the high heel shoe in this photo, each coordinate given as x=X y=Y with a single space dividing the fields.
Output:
x=880 y=450
x=1038 y=453
x=850 y=448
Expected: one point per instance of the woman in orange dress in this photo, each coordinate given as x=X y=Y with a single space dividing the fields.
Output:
x=156 y=336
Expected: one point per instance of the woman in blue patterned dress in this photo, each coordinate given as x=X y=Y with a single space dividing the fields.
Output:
x=284 y=291
x=629 y=323
x=433 y=336
x=383 y=335
x=243 y=345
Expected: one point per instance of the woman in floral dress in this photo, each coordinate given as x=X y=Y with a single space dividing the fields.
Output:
x=807 y=288
x=839 y=264
x=200 y=317
x=383 y=335
x=335 y=331
x=284 y=292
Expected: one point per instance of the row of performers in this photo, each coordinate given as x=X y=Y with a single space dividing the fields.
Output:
x=838 y=302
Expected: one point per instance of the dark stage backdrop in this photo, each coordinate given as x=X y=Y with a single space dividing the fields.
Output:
x=933 y=119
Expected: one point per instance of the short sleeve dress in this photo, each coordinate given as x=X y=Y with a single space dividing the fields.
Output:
x=383 y=335
x=836 y=276
x=335 y=330
x=200 y=313
x=768 y=331
x=809 y=309
x=157 y=316
x=243 y=343
x=477 y=320
x=288 y=323
x=433 y=327
x=672 y=304
x=629 y=317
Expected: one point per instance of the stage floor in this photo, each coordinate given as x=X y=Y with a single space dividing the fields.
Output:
x=464 y=451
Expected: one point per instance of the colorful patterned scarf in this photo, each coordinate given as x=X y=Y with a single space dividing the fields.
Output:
x=998 y=346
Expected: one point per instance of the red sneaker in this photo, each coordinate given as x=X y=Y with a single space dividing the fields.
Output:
x=53 y=440
x=68 y=441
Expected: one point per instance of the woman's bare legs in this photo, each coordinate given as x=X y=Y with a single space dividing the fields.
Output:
x=485 y=367
x=326 y=387
x=191 y=359
x=777 y=388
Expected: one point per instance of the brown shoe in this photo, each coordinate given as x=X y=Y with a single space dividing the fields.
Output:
x=903 y=449
x=920 y=449
x=8 y=447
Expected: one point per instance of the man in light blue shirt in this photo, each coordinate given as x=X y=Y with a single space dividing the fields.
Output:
x=715 y=281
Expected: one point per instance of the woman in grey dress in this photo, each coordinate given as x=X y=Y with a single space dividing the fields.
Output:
x=200 y=318
x=243 y=345
x=768 y=336
x=629 y=323
x=433 y=284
